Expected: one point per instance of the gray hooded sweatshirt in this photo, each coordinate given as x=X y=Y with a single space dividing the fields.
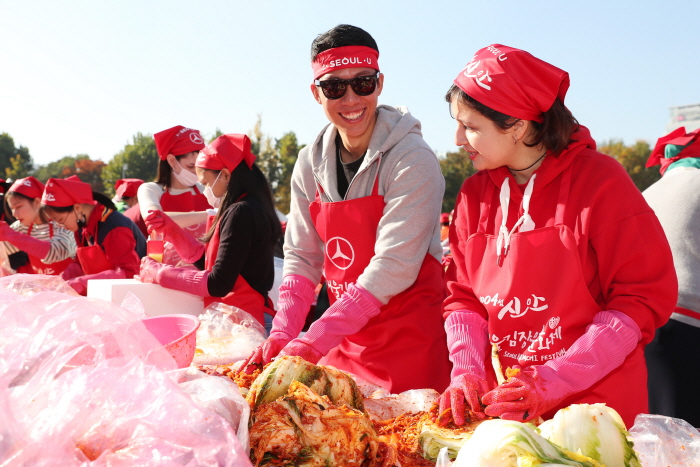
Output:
x=412 y=185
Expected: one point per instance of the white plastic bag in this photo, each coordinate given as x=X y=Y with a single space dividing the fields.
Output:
x=226 y=335
x=665 y=441
x=222 y=396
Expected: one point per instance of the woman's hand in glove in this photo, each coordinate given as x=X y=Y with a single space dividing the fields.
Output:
x=526 y=395
x=465 y=387
x=148 y=273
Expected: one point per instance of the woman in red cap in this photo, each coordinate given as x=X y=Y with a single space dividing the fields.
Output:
x=110 y=246
x=557 y=258
x=126 y=192
x=50 y=248
x=176 y=190
x=236 y=264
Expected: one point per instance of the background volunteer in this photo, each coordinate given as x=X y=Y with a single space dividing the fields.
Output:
x=365 y=206
x=50 y=248
x=557 y=258
x=126 y=193
x=109 y=245
x=236 y=266
x=674 y=354
x=176 y=190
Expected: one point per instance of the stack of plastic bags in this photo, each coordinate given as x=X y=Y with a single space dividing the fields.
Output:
x=83 y=383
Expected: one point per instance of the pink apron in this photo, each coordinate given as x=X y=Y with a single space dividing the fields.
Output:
x=39 y=267
x=404 y=347
x=538 y=304
x=242 y=296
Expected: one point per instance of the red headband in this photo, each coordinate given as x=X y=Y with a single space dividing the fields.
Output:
x=177 y=141
x=351 y=56
x=127 y=187
x=29 y=187
x=67 y=192
x=226 y=151
x=677 y=137
x=513 y=82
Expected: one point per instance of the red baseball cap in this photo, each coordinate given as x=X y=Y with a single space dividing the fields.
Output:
x=226 y=151
x=30 y=187
x=67 y=192
x=444 y=218
x=177 y=141
x=513 y=82
x=127 y=187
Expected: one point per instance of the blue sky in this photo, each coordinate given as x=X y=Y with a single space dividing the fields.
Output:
x=85 y=76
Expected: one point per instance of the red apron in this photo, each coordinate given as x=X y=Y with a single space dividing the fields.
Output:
x=38 y=267
x=242 y=296
x=404 y=346
x=186 y=202
x=92 y=258
x=538 y=304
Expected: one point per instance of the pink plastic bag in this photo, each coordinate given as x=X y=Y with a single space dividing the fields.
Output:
x=83 y=383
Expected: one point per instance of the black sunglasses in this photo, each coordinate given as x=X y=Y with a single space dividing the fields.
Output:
x=361 y=85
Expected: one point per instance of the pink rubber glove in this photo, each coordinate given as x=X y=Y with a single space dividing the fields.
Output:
x=184 y=279
x=602 y=348
x=79 y=284
x=295 y=298
x=72 y=271
x=301 y=349
x=345 y=317
x=185 y=244
x=467 y=335
x=26 y=243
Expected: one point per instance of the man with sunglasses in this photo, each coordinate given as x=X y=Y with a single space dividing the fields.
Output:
x=366 y=201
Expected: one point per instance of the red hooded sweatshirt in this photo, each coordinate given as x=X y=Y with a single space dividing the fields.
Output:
x=626 y=259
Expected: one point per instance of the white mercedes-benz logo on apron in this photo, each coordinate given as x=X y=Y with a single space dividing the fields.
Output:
x=340 y=252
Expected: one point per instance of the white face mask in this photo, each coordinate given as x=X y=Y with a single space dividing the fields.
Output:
x=214 y=201
x=185 y=177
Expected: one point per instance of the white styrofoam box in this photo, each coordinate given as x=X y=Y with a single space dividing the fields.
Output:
x=156 y=300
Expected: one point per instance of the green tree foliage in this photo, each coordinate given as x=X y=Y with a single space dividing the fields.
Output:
x=456 y=167
x=217 y=133
x=633 y=158
x=138 y=159
x=288 y=149
x=81 y=165
x=15 y=162
x=276 y=161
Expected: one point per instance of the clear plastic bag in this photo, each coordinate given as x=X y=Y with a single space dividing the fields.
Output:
x=383 y=407
x=665 y=441
x=222 y=396
x=226 y=335
x=83 y=383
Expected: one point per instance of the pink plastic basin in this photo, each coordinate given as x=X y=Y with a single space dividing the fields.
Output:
x=177 y=333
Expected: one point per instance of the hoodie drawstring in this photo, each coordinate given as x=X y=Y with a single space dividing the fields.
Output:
x=525 y=222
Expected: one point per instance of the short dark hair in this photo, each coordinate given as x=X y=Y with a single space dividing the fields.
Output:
x=554 y=133
x=341 y=36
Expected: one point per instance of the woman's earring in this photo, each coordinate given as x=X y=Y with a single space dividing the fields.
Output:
x=515 y=140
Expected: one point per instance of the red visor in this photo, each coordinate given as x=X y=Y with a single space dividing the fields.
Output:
x=226 y=151
x=29 y=187
x=352 y=56
x=513 y=82
x=177 y=141
x=127 y=187
x=67 y=192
